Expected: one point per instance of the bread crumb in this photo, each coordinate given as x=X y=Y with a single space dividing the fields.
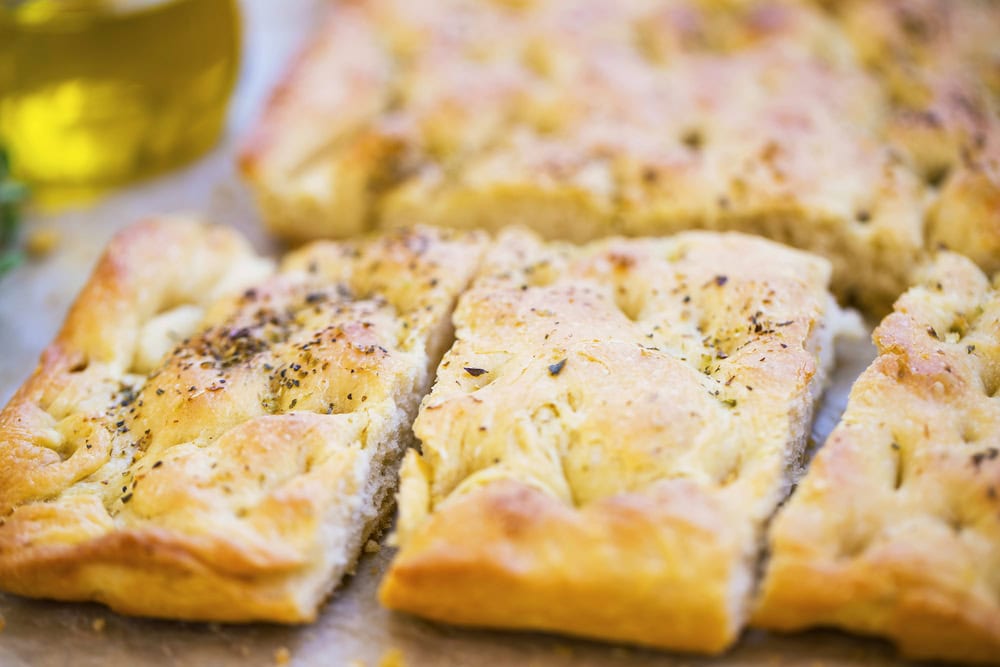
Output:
x=98 y=624
x=3 y=622
x=372 y=547
x=282 y=656
x=41 y=242
x=392 y=658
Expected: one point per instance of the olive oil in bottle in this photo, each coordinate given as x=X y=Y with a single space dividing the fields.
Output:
x=95 y=93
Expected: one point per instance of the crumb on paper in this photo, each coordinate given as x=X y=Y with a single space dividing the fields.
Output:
x=282 y=656
x=98 y=624
x=41 y=242
x=393 y=657
x=372 y=547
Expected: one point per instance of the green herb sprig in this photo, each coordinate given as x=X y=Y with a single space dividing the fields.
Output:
x=12 y=195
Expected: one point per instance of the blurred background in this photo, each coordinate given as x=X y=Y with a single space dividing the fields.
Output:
x=97 y=93
x=114 y=110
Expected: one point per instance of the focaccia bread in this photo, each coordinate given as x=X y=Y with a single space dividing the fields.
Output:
x=895 y=530
x=585 y=119
x=608 y=436
x=309 y=180
x=966 y=214
x=905 y=40
x=211 y=438
x=939 y=61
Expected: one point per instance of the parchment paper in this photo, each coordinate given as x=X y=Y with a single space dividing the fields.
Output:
x=353 y=629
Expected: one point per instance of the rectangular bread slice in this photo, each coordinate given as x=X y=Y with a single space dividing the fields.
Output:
x=895 y=530
x=211 y=438
x=761 y=143
x=608 y=435
x=586 y=119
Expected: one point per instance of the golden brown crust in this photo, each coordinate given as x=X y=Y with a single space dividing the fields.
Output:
x=895 y=530
x=510 y=555
x=608 y=435
x=596 y=118
x=210 y=439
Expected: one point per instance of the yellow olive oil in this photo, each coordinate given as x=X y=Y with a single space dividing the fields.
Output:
x=94 y=93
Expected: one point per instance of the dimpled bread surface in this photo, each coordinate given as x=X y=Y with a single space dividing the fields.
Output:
x=608 y=435
x=895 y=530
x=213 y=438
x=861 y=131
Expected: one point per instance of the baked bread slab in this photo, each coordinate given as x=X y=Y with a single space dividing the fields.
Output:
x=211 y=438
x=586 y=119
x=608 y=435
x=895 y=530
x=939 y=62
x=308 y=182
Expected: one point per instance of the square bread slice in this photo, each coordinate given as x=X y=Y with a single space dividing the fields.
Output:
x=895 y=530
x=209 y=438
x=586 y=119
x=609 y=434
